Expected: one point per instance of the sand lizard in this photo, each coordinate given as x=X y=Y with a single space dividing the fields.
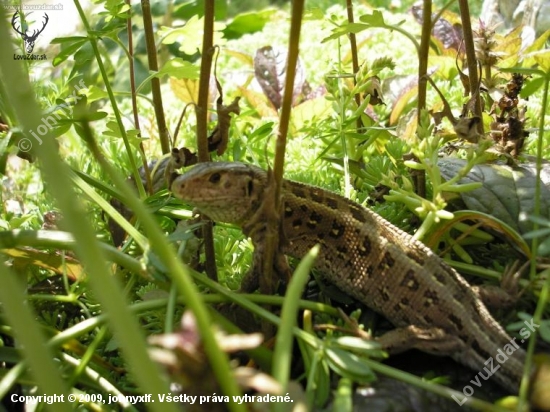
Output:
x=433 y=308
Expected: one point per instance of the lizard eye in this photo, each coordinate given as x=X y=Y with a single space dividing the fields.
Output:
x=215 y=178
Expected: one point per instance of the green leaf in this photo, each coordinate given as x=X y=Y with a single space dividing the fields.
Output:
x=93 y=116
x=17 y=222
x=84 y=55
x=70 y=45
x=349 y=365
x=531 y=87
x=543 y=60
x=309 y=111
x=314 y=13
x=187 y=37
x=247 y=23
x=523 y=70
x=112 y=129
x=376 y=19
x=356 y=344
x=544 y=330
x=544 y=248
x=95 y=93
x=507 y=193
x=70 y=40
x=178 y=68
x=345 y=30
x=60 y=128
x=538 y=44
x=191 y=8
x=537 y=233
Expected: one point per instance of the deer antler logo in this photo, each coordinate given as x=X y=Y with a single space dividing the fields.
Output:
x=28 y=39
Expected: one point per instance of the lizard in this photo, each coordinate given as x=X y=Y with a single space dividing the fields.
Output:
x=433 y=308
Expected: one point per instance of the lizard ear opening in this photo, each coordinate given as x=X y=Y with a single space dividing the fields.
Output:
x=250 y=187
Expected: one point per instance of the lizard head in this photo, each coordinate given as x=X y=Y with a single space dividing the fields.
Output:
x=224 y=191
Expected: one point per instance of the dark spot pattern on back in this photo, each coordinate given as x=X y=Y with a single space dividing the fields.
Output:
x=409 y=281
x=337 y=229
x=456 y=321
x=365 y=247
x=331 y=203
x=430 y=298
x=288 y=211
x=358 y=213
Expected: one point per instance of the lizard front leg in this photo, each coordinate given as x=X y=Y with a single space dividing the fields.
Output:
x=251 y=281
x=266 y=223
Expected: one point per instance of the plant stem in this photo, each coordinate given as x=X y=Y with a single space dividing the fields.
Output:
x=472 y=61
x=286 y=107
x=545 y=292
x=423 y=52
x=354 y=59
x=133 y=96
x=202 y=124
x=155 y=81
x=272 y=229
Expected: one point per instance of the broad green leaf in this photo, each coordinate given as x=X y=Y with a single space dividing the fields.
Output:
x=543 y=60
x=70 y=40
x=506 y=193
x=60 y=128
x=376 y=19
x=189 y=36
x=178 y=68
x=309 y=111
x=70 y=45
x=508 y=48
x=58 y=263
x=243 y=57
x=400 y=104
x=247 y=23
x=85 y=55
x=95 y=93
x=531 y=86
x=446 y=66
x=187 y=90
x=186 y=9
x=528 y=71
x=538 y=44
x=314 y=13
x=258 y=102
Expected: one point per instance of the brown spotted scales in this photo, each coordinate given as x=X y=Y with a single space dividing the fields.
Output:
x=433 y=308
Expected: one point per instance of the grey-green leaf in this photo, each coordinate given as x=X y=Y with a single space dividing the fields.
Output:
x=507 y=193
